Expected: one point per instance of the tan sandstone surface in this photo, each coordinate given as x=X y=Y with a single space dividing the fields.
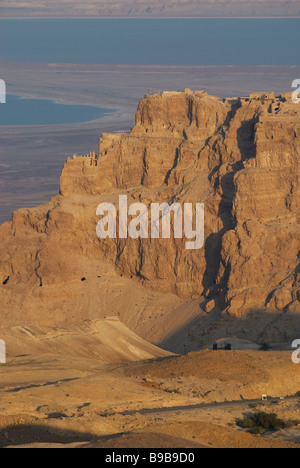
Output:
x=240 y=157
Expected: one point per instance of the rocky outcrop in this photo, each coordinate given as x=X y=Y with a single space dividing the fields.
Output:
x=239 y=156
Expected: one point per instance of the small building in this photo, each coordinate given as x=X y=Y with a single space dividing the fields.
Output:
x=233 y=344
x=222 y=347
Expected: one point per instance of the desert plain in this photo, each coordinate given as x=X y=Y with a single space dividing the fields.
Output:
x=87 y=393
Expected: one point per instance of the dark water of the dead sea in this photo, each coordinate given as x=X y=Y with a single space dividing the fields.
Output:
x=18 y=111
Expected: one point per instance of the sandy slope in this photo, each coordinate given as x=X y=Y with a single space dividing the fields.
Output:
x=56 y=391
x=106 y=340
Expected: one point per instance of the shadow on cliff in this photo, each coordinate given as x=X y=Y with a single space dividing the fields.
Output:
x=213 y=245
x=246 y=139
x=260 y=326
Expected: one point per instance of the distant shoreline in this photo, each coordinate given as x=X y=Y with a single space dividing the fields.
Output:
x=144 y=17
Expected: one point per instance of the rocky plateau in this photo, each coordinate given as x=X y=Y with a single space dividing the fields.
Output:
x=240 y=158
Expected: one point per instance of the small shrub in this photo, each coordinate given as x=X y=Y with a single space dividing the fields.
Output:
x=268 y=421
x=265 y=347
x=257 y=431
x=260 y=422
x=246 y=423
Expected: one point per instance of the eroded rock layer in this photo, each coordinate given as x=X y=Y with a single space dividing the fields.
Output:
x=239 y=156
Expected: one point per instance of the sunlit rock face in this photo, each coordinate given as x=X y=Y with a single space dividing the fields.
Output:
x=239 y=157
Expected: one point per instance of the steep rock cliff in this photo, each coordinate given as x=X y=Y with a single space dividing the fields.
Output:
x=239 y=156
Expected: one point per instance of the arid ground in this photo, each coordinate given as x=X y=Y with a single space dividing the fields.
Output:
x=85 y=392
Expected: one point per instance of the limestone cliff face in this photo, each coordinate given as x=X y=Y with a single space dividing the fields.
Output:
x=239 y=156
